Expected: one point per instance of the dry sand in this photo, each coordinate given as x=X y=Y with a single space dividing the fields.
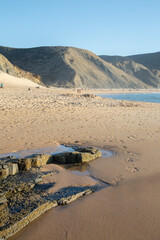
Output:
x=10 y=81
x=129 y=209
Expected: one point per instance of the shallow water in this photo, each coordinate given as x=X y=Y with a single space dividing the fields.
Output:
x=82 y=169
x=51 y=150
x=140 y=97
x=78 y=168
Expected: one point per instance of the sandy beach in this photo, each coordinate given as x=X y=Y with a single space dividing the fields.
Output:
x=129 y=208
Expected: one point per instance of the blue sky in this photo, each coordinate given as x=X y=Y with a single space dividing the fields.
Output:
x=110 y=27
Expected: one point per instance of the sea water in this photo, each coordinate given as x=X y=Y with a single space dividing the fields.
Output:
x=140 y=97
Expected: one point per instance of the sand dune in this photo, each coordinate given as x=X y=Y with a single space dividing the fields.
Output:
x=10 y=81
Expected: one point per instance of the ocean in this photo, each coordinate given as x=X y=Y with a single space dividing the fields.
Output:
x=140 y=97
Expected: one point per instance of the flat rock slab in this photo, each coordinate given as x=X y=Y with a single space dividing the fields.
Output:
x=24 y=197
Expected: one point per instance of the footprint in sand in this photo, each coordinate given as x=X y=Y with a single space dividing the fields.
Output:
x=132 y=169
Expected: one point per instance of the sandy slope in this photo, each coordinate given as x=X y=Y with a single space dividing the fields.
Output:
x=129 y=210
x=11 y=81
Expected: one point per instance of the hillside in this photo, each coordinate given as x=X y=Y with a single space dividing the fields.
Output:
x=8 y=68
x=71 y=67
x=148 y=76
x=149 y=60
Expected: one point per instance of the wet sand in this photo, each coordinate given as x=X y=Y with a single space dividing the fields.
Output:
x=129 y=209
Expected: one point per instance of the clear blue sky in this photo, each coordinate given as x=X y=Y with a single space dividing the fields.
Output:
x=111 y=27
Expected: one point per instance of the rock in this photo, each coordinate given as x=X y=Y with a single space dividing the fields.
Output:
x=45 y=158
x=39 y=160
x=86 y=156
x=63 y=158
x=36 y=162
x=66 y=200
x=4 y=171
x=13 y=168
x=21 y=223
x=78 y=156
x=8 y=169
x=24 y=164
